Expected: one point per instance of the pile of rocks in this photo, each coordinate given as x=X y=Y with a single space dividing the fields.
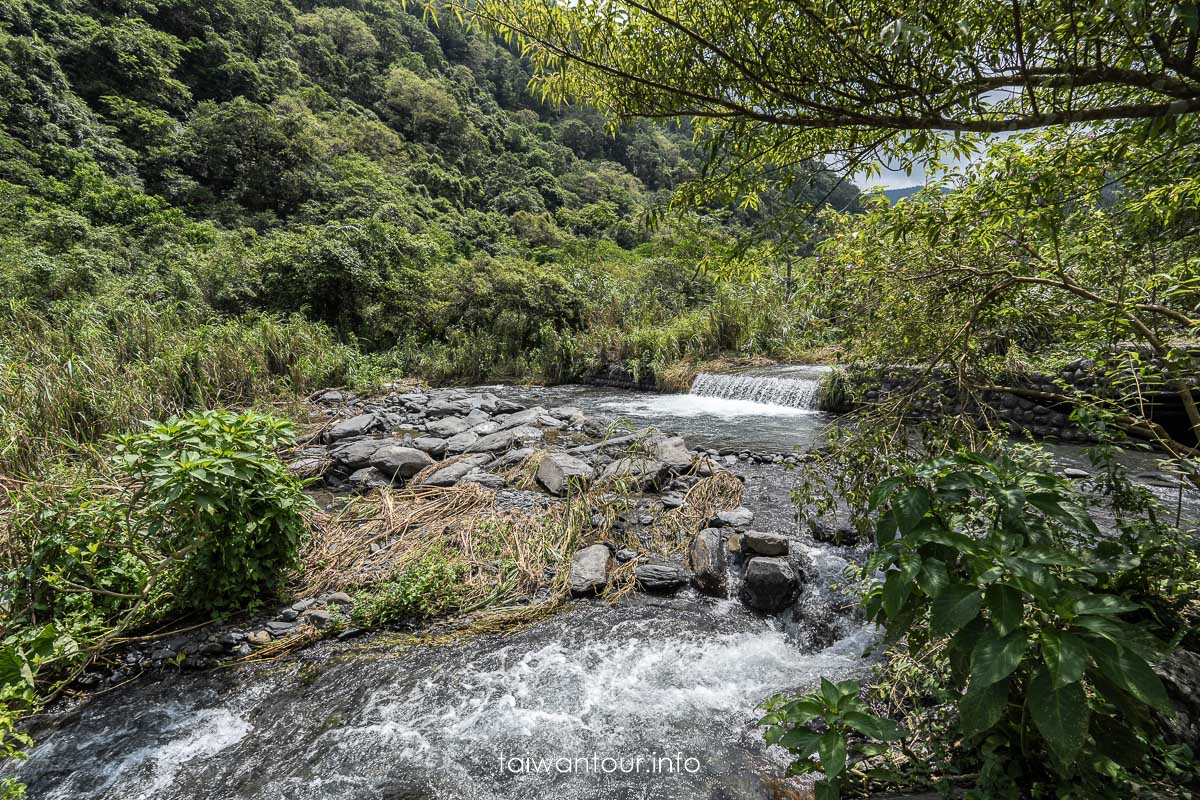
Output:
x=727 y=557
x=215 y=644
x=449 y=437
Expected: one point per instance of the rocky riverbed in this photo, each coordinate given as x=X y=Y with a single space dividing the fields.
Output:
x=748 y=605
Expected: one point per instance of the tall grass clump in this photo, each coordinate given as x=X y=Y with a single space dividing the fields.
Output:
x=78 y=373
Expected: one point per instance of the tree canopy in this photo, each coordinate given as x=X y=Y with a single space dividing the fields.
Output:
x=775 y=82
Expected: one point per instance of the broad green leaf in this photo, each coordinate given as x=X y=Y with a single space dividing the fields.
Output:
x=982 y=707
x=1104 y=604
x=1065 y=655
x=933 y=579
x=885 y=730
x=1006 y=607
x=1130 y=671
x=827 y=789
x=910 y=507
x=953 y=608
x=995 y=658
x=895 y=592
x=831 y=749
x=884 y=490
x=1061 y=715
x=800 y=742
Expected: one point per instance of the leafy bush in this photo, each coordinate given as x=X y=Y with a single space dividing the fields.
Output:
x=427 y=588
x=214 y=496
x=1001 y=572
x=840 y=747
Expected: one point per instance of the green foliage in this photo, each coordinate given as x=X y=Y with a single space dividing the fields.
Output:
x=212 y=494
x=79 y=371
x=835 y=725
x=1002 y=568
x=430 y=587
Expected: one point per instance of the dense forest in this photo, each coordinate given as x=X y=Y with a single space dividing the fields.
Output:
x=217 y=184
x=211 y=211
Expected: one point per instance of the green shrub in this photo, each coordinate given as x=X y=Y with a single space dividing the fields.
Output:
x=213 y=495
x=428 y=588
x=1000 y=571
x=850 y=734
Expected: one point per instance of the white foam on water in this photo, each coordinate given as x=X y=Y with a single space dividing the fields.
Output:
x=190 y=735
x=622 y=691
x=692 y=405
x=799 y=393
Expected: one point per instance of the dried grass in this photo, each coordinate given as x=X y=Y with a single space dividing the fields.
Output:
x=721 y=491
x=506 y=557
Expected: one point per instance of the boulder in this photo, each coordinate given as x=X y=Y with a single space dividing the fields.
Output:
x=659 y=577
x=672 y=500
x=740 y=517
x=507 y=439
x=673 y=452
x=769 y=584
x=311 y=462
x=526 y=417
x=477 y=417
x=645 y=473
x=765 y=544
x=356 y=454
x=447 y=408
x=367 y=478
x=431 y=444
x=558 y=470
x=355 y=426
x=484 y=478
x=1180 y=673
x=568 y=414
x=485 y=428
x=446 y=427
x=706 y=560
x=456 y=471
x=333 y=397
x=589 y=570
x=460 y=442
x=513 y=457
x=397 y=461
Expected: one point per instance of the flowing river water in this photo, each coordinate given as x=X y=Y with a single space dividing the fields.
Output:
x=655 y=698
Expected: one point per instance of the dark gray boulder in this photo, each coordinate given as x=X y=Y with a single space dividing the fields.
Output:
x=355 y=426
x=706 y=560
x=770 y=584
x=397 y=461
x=446 y=427
x=358 y=453
x=644 y=473
x=431 y=444
x=659 y=577
x=589 y=570
x=367 y=478
x=526 y=417
x=447 y=408
x=484 y=478
x=461 y=441
x=500 y=441
x=1180 y=673
x=765 y=544
x=452 y=473
x=558 y=470
x=740 y=517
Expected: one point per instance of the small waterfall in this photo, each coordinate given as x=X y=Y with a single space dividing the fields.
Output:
x=801 y=391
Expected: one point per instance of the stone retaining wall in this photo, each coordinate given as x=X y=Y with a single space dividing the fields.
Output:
x=616 y=376
x=1032 y=404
